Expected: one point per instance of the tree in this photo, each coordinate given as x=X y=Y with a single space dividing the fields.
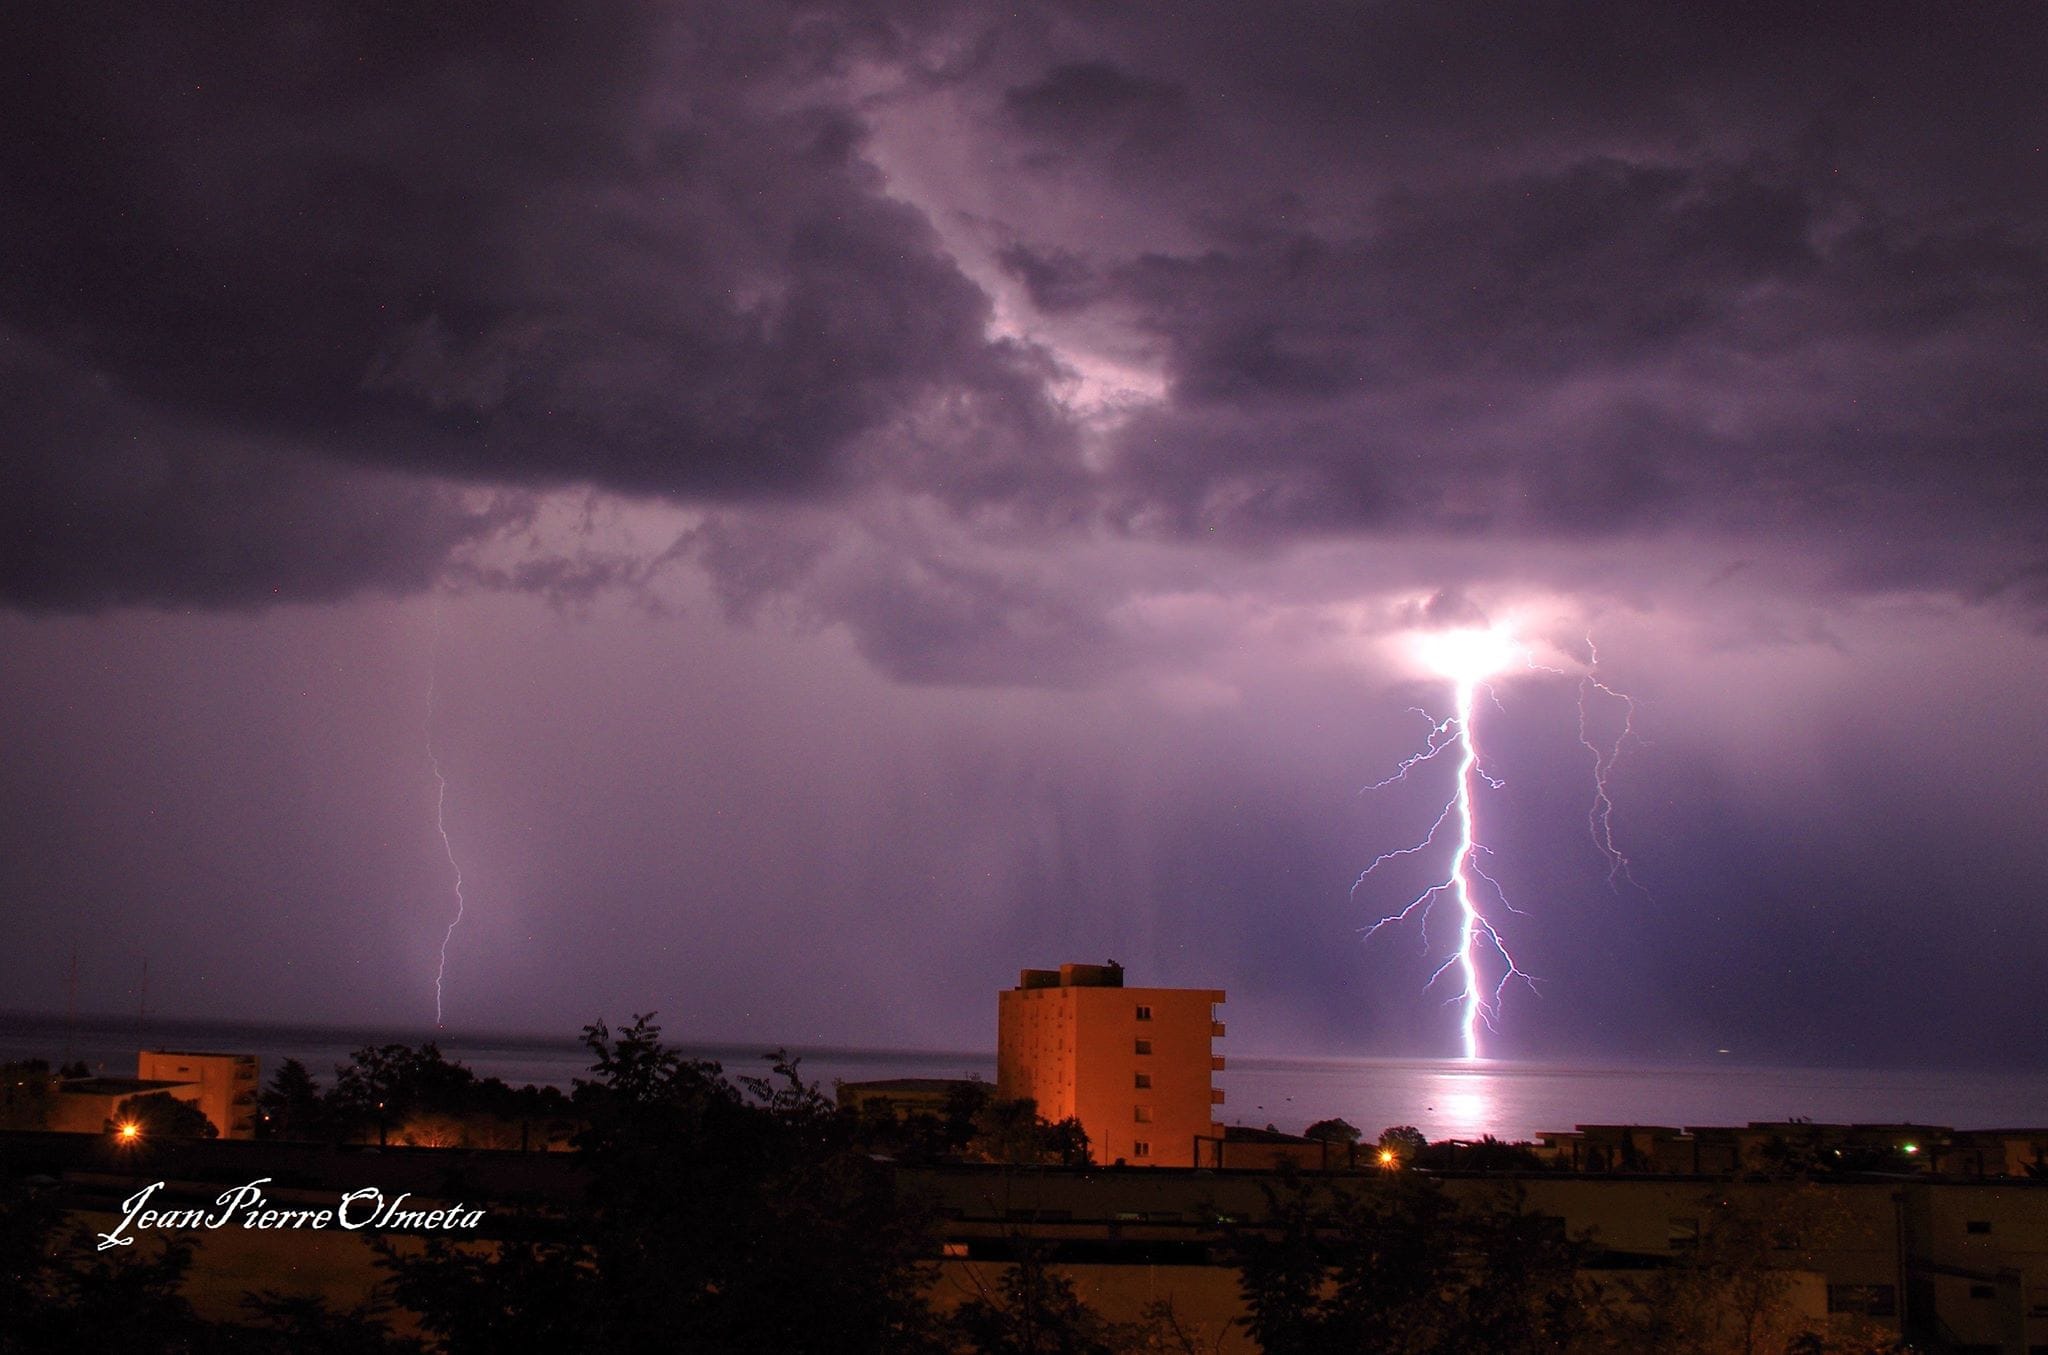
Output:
x=58 y=1292
x=26 y=1092
x=1405 y=1141
x=1065 y=1142
x=1161 y=1330
x=722 y=1215
x=1033 y=1310
x=1394 y=1265
x=528 y=1293
x=1014 y=1132
x=1345 y=1270
x=380 y=1087
x=1333 y=1131
x=1519 y=1282
x=1731 y=1293
x=422 y=1098
x=964 y=1103
x=301 y=1324
x=291 y=1106
x=1488 y=1154
x=160 y=1115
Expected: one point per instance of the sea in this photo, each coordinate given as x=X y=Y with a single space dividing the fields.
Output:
x=1444 y=1098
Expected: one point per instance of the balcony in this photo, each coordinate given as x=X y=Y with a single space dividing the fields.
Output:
x=1215 y=1063
x=1215 y=1030
x=1216 y=1096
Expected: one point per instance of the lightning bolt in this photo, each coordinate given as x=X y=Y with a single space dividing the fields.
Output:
x=1483 y=963
x=1479 y=945
x=441 y=817
x=1600 y=817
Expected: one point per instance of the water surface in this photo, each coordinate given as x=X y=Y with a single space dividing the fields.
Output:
x=1445 y=1098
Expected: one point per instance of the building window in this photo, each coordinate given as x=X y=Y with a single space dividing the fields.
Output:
x=1977 y=1226
x=1144 y=1114
x=1144 y=1013
x=1141 y=1149
x=1144 y=1082
x=1144 y=1046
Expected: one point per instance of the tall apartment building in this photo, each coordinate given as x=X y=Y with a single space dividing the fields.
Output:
x=1132 y=1065
x=227 y=1085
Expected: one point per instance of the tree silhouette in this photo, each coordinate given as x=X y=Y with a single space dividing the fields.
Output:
x=722 y=1215
x=160 y=1115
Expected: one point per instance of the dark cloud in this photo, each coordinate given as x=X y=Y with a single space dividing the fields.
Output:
x=1096 y=103
x=1571 y=273
x=1606 y=347
x=1566 y=275
x=510 y=244
x=1056 y=280
x=1529 y=280
x=107 y=505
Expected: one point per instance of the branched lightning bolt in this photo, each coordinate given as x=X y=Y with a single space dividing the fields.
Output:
x=1476 y=934
x=441 y=817
x=1600 y=817
x=1480 y=956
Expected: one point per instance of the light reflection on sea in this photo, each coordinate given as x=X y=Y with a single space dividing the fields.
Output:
x=1454 y=1098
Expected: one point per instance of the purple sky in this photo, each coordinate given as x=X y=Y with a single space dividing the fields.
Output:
x=885 y=496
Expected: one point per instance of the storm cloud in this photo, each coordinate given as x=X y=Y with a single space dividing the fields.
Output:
x=971 y=476
x=1580 y=275
x=496 y=246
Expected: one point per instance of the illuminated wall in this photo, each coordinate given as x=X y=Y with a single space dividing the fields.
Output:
x=228 y=1084
x=1133 y=1065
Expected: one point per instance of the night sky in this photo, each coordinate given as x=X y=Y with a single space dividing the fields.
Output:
x=883 y=495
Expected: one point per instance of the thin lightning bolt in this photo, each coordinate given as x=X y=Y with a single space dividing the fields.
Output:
x=1476 y=934
x=1600 y=817
x=441 y=816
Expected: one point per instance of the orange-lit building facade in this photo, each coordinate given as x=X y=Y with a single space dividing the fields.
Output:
x=1133 y=1065
x=227 y=1083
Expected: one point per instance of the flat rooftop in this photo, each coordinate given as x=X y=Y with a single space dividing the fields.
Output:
x=117 y=1086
